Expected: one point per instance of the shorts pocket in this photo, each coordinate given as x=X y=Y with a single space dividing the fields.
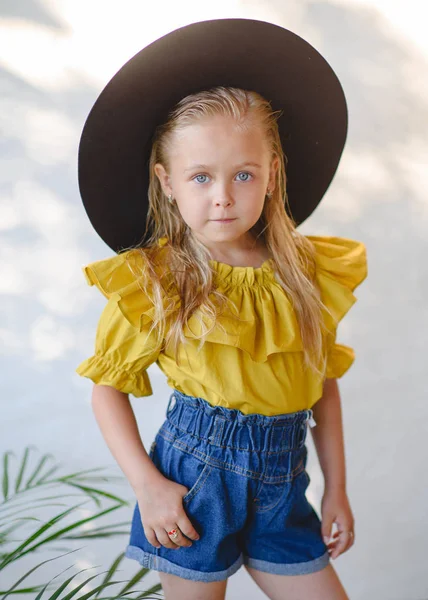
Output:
x=180 y=466
x=201 y=480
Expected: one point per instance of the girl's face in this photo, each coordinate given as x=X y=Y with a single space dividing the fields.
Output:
x=219 y=174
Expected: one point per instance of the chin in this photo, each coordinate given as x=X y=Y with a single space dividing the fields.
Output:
x=224 y=236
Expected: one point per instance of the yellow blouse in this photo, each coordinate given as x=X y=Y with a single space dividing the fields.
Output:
x=257 y=365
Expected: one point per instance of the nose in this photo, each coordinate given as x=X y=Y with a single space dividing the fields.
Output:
x=223 y=197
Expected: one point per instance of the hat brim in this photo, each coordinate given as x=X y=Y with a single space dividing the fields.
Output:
x=254 y=55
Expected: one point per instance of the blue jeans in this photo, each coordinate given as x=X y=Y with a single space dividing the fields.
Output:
x=247 y=480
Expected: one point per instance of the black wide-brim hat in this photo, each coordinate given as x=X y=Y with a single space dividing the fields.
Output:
x=254 y=55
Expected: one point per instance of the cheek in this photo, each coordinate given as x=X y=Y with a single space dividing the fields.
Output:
x=253 y=202
x=193 y=210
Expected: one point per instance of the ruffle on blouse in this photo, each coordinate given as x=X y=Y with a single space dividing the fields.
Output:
x=263 y=322
x=104 y=372
x=340 y=359
x=267 y=322
x=125 y=277
x=341 y=265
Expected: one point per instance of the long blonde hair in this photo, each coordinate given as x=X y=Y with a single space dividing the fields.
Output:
x=186 y=270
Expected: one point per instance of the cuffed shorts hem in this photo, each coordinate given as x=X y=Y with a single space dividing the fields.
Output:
x=157 y=563
x=301 y=568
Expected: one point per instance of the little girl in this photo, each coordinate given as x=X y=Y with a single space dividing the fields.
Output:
x=182 y=163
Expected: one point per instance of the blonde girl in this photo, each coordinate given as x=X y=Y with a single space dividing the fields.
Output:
x=236 y=307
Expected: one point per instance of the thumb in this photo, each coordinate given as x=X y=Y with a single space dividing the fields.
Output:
x=326 y=529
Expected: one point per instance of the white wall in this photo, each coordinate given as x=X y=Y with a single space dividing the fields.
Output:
x=55 y=57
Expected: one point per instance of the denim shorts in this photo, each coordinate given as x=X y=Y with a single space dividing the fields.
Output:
x=247 y=481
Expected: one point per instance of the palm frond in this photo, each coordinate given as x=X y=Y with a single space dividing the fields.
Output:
x=13 y=589
x=112 y=570
x=23 y=502
x=26 y=546
x=24 y=495
x=36 y=479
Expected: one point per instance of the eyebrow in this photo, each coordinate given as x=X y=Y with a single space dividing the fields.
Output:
x=241 y=166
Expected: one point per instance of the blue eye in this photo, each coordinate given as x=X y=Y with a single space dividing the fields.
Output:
x=198 y=180
x=246 y=176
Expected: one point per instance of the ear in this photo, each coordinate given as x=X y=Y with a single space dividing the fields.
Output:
x=272 y=173
x=164 y=178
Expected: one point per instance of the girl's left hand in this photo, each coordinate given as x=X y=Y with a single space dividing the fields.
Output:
x=335 y=508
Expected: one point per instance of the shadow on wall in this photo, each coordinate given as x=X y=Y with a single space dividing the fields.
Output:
x=46 y=237
x=377 y=196
x=29 y=10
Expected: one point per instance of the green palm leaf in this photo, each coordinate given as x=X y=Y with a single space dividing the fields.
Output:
x=13 y=589
x=22 y=499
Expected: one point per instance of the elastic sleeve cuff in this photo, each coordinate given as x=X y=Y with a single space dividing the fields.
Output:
x=102 y=372
x=340 y=359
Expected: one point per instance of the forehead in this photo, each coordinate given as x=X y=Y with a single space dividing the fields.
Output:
x=219 y=135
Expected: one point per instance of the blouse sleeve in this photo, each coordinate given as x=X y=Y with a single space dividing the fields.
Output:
x=341 y=265
x=125 y=344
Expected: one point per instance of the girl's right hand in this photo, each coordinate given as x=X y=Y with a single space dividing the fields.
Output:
x=161 y=509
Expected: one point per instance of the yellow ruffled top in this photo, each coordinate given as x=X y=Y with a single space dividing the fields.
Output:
x=256 y=364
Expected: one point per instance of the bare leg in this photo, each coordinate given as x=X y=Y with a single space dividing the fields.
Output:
x=177 y=588
x=312 y=586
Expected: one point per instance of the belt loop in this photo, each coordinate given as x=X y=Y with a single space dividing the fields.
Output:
x=216 y=436
x=310 y=419
x=169 y=407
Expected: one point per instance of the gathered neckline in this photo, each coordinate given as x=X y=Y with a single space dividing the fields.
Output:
x=243 y=275
x=236 y=274
x=218 y=264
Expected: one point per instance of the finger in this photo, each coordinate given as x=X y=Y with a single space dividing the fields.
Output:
x=351 y=538
x=151 y=537
x=180 y=540
x=333 y=549
x=349 y=542
x=165 y=540
x=349 y=533
x=340 y=544
x=187 y=528
x=326 y=526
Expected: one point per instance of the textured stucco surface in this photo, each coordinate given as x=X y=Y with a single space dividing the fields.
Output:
x=55 y=57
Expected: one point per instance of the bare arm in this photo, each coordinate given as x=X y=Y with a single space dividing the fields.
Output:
x=328 y=436
x=116 y=420
x=159 y=499
x=328 y=440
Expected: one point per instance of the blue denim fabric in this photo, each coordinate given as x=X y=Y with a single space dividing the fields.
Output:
x=247 y=480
